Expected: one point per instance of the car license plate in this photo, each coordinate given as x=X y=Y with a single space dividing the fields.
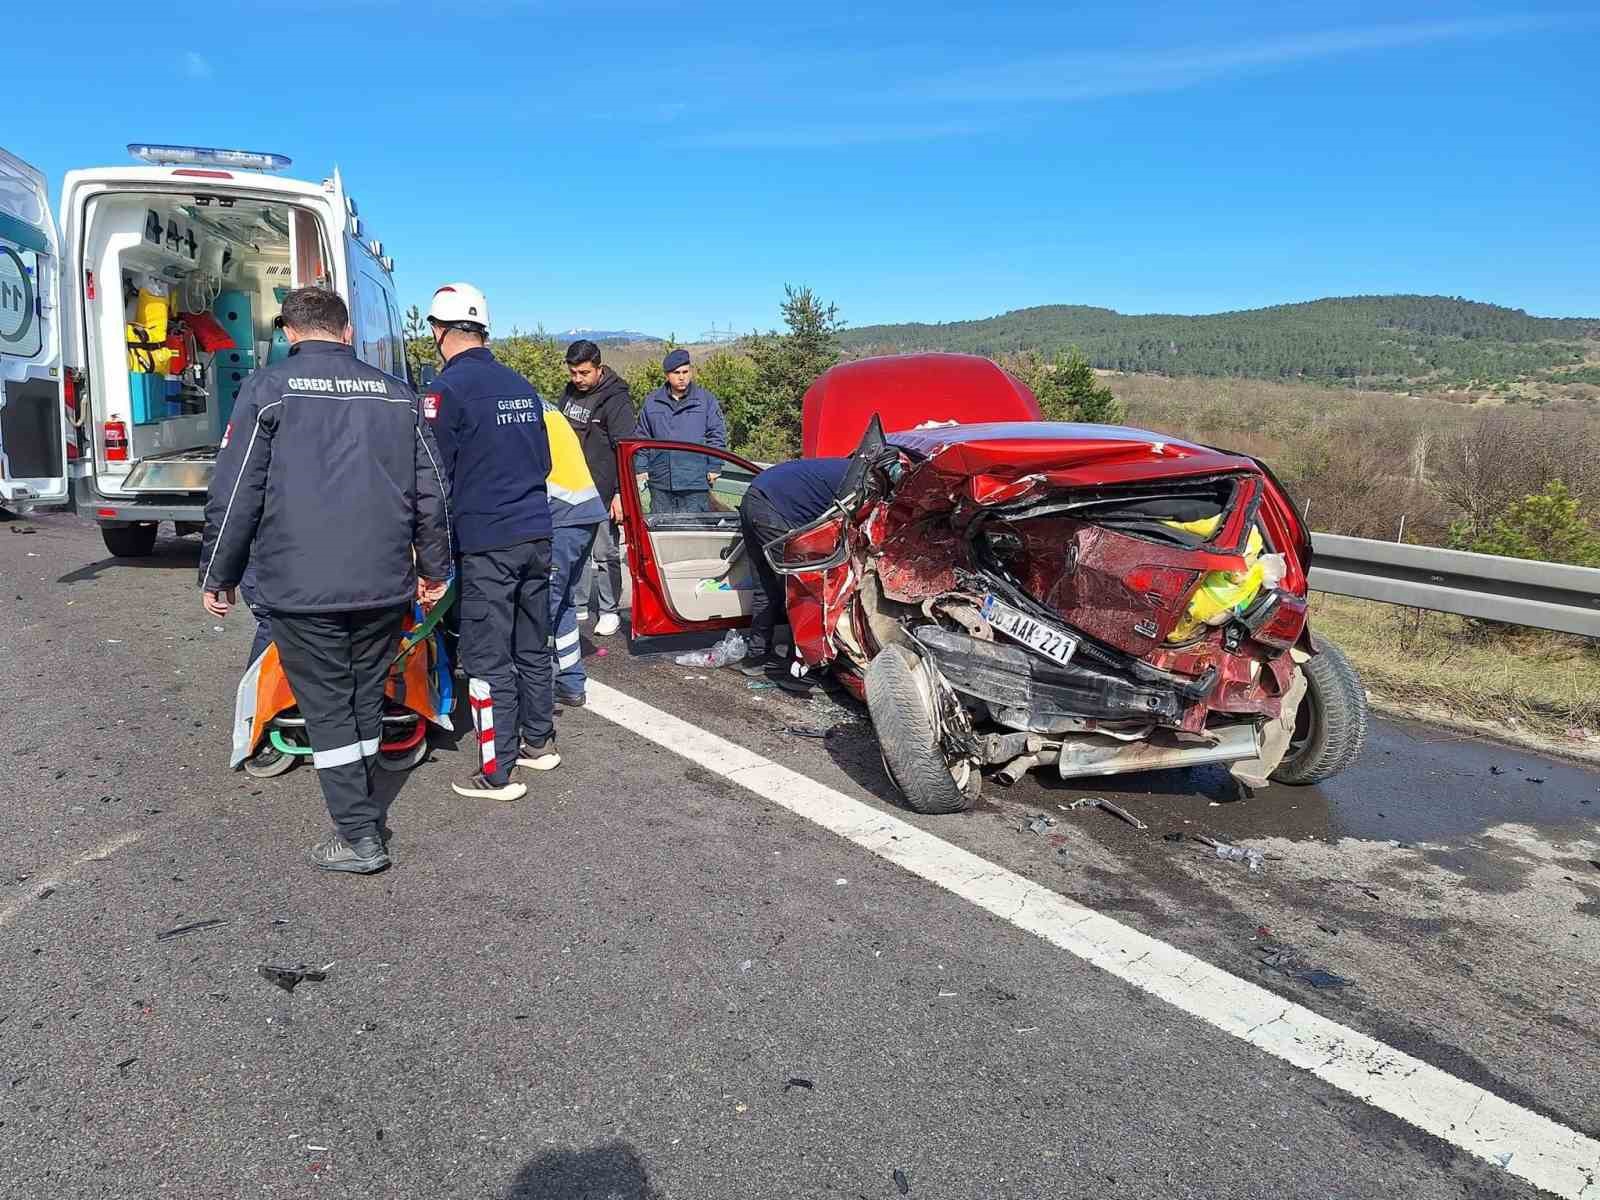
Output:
x=1054 y=644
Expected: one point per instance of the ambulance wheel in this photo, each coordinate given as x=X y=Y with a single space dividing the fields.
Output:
x=129 y=541
x=404 y=760
x=268 y=762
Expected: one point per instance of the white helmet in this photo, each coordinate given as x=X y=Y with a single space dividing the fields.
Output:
x=459 y=304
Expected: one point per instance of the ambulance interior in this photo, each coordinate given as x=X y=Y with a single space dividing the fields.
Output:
x=181 y=297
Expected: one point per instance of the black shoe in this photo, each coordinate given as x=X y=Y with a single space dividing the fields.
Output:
x=363 y=857
x=538 y=756
x=757 y=664
x=571 y=699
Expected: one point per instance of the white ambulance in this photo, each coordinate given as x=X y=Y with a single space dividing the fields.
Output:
x=127 y=328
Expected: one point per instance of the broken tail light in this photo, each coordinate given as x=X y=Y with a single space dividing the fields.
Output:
x=1278 y=620
x=116 y=441
x=814 y=548
x=1161 y=587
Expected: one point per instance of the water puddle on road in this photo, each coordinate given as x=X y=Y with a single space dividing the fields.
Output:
x=1415 y=783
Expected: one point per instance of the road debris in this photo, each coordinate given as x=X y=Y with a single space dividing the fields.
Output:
x=1535 y=778
x=1319 y=978
x=1240 y=854
x=901 y=1183
x=756 y=685
x=794 y=1081
x=803 y=731
x=1116 y=810
x=747 y=964
x=288 y=978
x=122 y=1067
x=23 y=531
x=194 y=927
x=1172 y=837
x=730 y=649
x=1328 y=929
x=1040 y=825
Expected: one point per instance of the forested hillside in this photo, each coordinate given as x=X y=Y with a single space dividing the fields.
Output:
x=1389 y=341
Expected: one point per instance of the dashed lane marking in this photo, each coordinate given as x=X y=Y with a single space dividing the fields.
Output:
x=1533 y=1147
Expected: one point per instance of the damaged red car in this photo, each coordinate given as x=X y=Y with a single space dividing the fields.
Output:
x=1007 y=593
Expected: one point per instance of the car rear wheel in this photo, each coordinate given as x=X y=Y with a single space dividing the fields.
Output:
x=129 y=541
x=1331 y=727
x=900 y=699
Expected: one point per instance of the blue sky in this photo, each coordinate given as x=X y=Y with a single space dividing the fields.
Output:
x=660 y=168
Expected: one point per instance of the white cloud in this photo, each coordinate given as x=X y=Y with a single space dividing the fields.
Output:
x=967 y=101
x=196 y=65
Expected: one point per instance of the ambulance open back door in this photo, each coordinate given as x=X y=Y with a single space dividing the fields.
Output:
x=35 y=391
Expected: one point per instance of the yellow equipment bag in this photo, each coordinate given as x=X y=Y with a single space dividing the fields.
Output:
x=147 y=334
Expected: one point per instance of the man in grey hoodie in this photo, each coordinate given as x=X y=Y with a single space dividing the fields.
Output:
x=597 y=405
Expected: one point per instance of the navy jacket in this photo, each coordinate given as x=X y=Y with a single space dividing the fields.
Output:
x=326 y=482
x=802 y=490
x=695 y=418
x=489 y=423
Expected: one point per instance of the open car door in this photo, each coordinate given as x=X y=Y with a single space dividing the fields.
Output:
x=33 y=416
x=687 y=560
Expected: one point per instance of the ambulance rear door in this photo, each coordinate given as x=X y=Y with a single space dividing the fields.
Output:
x=34 y=392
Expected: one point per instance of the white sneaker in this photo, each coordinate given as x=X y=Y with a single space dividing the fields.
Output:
x=583 y=617
x=608 y=624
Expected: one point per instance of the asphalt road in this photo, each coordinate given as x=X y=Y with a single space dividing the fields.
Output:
x=606 y=989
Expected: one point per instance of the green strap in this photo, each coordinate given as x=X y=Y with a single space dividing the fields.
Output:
x=426 y=626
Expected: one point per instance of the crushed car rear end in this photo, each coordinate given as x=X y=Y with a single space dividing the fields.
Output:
x=1089 y=599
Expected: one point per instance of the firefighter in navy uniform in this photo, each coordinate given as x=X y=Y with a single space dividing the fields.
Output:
x=488 y=422
x=328 y=485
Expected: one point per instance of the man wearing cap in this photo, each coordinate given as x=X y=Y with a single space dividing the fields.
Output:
x=680 y=410
x=489 y=424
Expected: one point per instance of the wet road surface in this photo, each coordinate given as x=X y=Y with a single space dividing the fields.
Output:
x=606 y=989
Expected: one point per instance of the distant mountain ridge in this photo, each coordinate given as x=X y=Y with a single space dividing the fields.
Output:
x=1429 y=341
x=607 y=335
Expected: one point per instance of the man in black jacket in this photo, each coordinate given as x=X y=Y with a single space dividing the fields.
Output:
x=327 y=484
x=597 y=406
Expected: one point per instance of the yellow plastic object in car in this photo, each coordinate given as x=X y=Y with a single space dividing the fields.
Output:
x=1223 y=593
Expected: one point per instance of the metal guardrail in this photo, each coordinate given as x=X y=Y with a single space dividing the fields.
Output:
x=1514 y=590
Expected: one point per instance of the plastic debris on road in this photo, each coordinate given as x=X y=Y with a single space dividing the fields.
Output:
x=288 y=978
x=730 y=649
x=901 y=1183
x=1040 y=825
x=1239 y=854
x=794 y=1081
x=194 y=927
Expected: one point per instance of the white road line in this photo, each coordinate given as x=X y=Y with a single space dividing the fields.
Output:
x=1535 y=1148
x=55 y=876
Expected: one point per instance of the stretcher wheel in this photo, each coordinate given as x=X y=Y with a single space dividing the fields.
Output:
x=404 y=760
x=268 y=762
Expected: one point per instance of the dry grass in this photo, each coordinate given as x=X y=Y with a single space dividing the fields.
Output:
x=1541 y=683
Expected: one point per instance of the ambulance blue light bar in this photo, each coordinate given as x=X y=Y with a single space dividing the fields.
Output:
x=206 y=156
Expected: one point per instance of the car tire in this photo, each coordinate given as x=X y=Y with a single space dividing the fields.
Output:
x=129 y=541
x=900 y=700
x=1331 y=728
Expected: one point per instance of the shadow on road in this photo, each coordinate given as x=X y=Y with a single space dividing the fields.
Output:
x=170 y=554
x=613 y=1171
